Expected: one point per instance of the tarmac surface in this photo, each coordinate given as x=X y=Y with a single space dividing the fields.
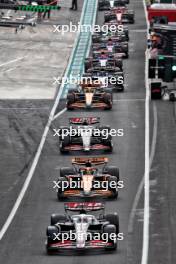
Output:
x=22 y=123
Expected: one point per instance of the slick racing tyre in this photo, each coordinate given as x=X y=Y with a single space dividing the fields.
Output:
x=58 y=218
x=64 y=143
x=86 y=65
x=109 y=144
x=110 y=230
x=65 y=171
x=70 y=101
x=107 y=18
x=51 y=230
x=113 y=171
x=119 y=63
x=72 y=91
x=63 y=185
x=113 y=186
x=114 y=220
x=107 y=98
x=52 y=233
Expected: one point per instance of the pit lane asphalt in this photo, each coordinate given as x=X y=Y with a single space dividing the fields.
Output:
x=24 y=241
x=162 y=186
x=22 y=121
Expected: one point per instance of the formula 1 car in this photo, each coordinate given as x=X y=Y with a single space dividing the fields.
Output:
x=88 y=95
x=110 y=77
x=86 y=137
x=120 y=15
x=115 y=28
x=88 y=180
x=103 y=38
x=119 y=48
x=103 y=59
x=83 y=226
x=104 y=5
x=104 y=52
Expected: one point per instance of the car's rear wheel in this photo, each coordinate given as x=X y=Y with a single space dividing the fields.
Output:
x=63 y=185
x=119 y=63
x=110 y=231
x=114 y=220
x=67 y=171
x=113 y=186
x=107 y=98
x=86 y=65
x=113 y=171
x=70 y=101
x=64 y=143
x=58 y=218
x=109 y=144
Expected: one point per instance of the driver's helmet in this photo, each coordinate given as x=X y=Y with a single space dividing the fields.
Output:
x=88 y=164
x=103 y=54
x=85 y=122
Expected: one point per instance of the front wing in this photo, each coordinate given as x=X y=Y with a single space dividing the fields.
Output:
x=77 y=147
x=79 y=105
x=80 y=193
x=69 y=244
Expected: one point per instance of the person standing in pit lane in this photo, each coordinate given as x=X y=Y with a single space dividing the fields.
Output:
x=74 y=5
x=49 y=3
x=39 y=18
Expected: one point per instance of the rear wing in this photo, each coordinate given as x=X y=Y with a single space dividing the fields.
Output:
x=92 y=160
x=82 y=120
x=104 y=69
x=85 y=206
x=118 y=9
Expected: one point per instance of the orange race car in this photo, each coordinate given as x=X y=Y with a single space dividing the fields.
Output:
x=89 y=95
x=84 y=179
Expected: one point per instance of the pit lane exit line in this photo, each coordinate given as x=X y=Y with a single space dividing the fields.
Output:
x=141 y=185
x=8 y=62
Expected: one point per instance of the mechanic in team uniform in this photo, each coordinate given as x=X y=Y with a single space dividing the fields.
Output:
x=74 y=5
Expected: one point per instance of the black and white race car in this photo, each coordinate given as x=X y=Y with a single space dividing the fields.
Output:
x=85 y=136
x=110 y=77
x=102 y=38
x=83 y=226
x=119 y=48
x=103 y=59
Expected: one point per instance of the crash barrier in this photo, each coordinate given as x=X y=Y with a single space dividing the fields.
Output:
x=82 y=45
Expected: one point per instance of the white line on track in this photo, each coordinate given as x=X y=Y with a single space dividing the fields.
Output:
x=32 y=168
x=145 y=244
x=11 y=69
x=60 y=113
x=141 y=185
x=12 y=61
